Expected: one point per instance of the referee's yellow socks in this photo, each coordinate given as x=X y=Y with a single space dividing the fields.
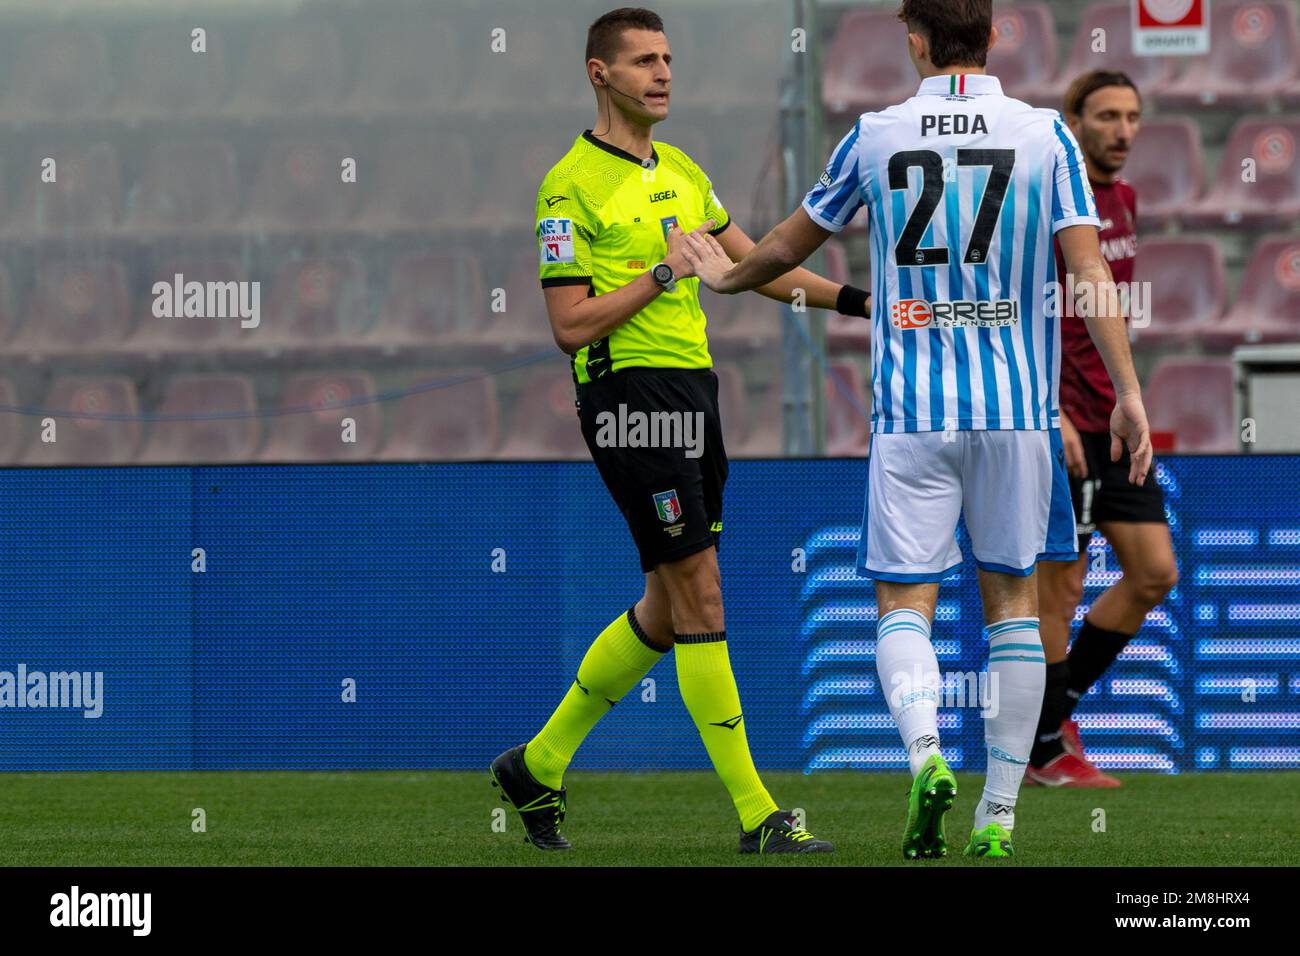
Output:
x=614 y=664
x=709 y=691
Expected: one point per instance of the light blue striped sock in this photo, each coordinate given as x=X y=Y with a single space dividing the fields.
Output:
x=1017 y=675
x=910 y=681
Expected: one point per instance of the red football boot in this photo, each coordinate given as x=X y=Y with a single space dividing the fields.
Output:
x=1067 y=770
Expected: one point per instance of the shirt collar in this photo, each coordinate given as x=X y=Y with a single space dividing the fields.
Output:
x=957 y=84
x=650 y=163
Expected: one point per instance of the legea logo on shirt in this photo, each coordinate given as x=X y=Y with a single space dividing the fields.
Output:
x=555 y=236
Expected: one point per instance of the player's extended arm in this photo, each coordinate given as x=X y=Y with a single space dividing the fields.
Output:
x=785 y=247
x=819 y=292
x=1128 y=423
x=578 y=319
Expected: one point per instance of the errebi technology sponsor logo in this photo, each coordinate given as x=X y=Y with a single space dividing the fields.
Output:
x=68 y=690
x=908 y=314
x=77 y=909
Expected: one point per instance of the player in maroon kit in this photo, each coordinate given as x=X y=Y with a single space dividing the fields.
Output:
x=1104 y=110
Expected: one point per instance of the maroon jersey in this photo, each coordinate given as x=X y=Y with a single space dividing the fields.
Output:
x=1087 y=395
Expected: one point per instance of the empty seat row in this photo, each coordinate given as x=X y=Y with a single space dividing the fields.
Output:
x=403 y=63
x=1184 y=295
x=1254 y=57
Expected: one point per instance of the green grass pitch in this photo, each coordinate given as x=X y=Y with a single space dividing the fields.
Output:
x=659 y=819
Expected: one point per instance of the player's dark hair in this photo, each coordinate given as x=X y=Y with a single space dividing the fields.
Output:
x=605 y=36
x=958 y=30
x=1085 y=84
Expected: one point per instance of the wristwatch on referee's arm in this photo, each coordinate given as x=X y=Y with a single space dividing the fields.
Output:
x=663 y=275
x=853 y=301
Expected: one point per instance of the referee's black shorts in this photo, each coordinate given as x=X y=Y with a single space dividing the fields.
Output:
x=1106 y=494
x=671 y=499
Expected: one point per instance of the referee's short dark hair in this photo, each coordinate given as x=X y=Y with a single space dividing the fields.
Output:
x=605 y=36
x=958 y=30
x=1085 y=84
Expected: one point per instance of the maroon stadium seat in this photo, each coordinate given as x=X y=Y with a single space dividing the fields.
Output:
x=410 y=64
x=529 y=71
x=187 y=184
x=454 y=422
x=848 y=422
x=1194 y=400
x=1167 y=168
x=200 y=435
x=844 y=333
x=1187 y=286
x=544 y=419
x=14 y=425
x=433 y=298
x=525 y=318
x=167 y=78
x=86 y=197
x=409 y=166
x=59 y=73
x=765 y=426
x=317 y=435
x=515 y=172
x=189 y=333
x=77 y=304
x=316 y=301
x=1024 y=57
x=1254 y=52
x=1151 y=73
x=87 y=440
x=1273 y=198
x=299 y=184
x=867 y=66
x=1267 y=305
x=294 y=68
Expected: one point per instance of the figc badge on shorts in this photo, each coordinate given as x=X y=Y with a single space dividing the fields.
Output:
x=669 y=508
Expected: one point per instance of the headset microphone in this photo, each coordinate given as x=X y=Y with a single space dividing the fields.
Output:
x=604 y=82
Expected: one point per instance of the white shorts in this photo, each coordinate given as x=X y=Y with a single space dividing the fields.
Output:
x=1010 y=486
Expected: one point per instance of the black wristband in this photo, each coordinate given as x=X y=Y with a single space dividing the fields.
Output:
x=852 y=301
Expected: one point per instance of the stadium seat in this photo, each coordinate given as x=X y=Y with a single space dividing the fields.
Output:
x=433 y=298
x=1253 y=57
x=733 y=405
x=1024 y=57
x=515 y=172
x=544 y=418
x=1273 y=197
x=299 y=185
x=317 y=435
x=167 y=78
x=458 y=421
x=747 y=177
x=1267 y=305
x=1194 y=399
x=14 y=425
x=409 y=166
x=316 y=301
x=86 y=196
x=60 y=73
x=525 y=318
x=1187 y=286
x=867 y=66
x=201 y=434
x=1114 y=21
x=844 y=333
x=411 y=64
x=9 y=317
x=1167 y=168
x=76 y=305
x=102 y=440
x=737 y=61
x=189 y=333
x=187 y=185
x=764 y=425
x=295 y=68
x=848 y=410
x=529 y=70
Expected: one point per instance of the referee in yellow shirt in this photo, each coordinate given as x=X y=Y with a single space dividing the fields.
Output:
x=624 y=302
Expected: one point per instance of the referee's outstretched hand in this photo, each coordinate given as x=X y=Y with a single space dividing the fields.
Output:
x=1129 y=428
x=682 y=267
x=709 y=259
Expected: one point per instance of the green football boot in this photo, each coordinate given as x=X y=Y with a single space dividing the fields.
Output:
x=932 y=795
x=993 y=842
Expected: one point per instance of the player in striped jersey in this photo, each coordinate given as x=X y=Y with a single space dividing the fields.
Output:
x=965 y=189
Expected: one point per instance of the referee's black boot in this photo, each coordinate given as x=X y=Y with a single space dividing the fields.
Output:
x=540 y=808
